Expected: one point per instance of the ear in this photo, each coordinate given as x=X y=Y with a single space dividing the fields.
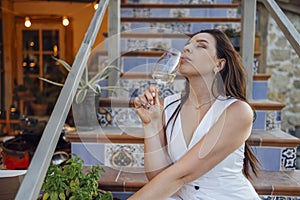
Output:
x=220 y=65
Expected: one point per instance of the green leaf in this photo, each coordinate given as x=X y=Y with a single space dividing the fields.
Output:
x=53 y=196
x=46 y=196
x=106 y=196
x=62 y=196
x=52 y=82
x=103 y=73
x=80 y=96
x=63 y=63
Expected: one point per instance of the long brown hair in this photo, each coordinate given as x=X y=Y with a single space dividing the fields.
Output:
x=232 y=84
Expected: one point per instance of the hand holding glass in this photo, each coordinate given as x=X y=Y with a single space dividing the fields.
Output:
x=164 y=71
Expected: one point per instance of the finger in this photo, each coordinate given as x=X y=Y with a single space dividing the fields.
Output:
x=154 y=94
x=136 y=102
x=156 y=99
x=143 y=101
x=149 y=97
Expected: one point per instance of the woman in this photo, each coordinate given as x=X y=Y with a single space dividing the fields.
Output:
x=195 y=141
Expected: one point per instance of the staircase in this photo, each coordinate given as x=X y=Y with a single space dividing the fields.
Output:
x=147 y=27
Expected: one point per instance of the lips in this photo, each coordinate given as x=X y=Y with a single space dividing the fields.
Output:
x=184 y=58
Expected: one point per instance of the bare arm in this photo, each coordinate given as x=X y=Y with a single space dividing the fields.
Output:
x=150 y=111
x=230 y=131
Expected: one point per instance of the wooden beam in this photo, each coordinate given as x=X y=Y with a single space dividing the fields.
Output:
x=284 y=24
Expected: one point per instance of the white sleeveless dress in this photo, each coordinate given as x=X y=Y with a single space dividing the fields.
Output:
x=226 y=180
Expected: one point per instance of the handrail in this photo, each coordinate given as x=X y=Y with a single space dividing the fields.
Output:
x=35 y=175
x=284 y=24
x=247 y=47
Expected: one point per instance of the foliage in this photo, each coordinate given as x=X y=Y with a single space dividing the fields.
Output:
x=69 y=182
x=85 y=83
x=231 y=32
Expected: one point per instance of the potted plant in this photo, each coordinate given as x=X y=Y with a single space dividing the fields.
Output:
x=234 y=36
x=85 y=104
x=20 y=91
x=69 y=182
x=86 y=83
x=40 y=103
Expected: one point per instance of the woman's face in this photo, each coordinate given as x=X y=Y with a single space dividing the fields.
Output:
x=199 y=56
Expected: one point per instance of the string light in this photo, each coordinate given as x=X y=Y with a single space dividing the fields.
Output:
x=27 y=22
x=65 y=21
x=96 y=5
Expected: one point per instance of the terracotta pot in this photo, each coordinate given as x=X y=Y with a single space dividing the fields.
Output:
x=16 y=154
x=39 y=109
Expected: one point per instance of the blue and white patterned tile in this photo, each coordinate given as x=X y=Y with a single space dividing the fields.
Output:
x=125 y=117
x=126 y=12
x=273 y=120
x=288 y=158
x=255 y=65
x=279 y=198
x=136 y=44
x=179 y=13
x=142 y=12
x=124 y=155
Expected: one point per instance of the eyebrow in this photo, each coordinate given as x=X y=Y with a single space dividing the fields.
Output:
x=198 y=41
x=201 y=40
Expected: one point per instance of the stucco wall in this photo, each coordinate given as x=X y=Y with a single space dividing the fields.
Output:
x=283 y=63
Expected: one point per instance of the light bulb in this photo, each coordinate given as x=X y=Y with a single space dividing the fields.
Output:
x=27 y=22
x=65 y=21
x=96 y=6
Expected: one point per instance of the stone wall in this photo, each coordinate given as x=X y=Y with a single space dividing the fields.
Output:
x=283 y=63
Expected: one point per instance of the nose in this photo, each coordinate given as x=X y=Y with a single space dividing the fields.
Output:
x=187 y=48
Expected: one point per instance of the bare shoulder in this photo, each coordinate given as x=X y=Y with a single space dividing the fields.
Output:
x=241 y=111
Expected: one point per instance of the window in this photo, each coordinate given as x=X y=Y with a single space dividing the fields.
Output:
x=37 y=46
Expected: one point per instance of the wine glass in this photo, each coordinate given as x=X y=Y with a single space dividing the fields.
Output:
x=165 y=69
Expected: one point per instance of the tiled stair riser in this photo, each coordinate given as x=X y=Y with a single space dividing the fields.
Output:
x=175 y=12
x=279 y=198
x=267 y=120
x=273 y=158
x=276 y=158
x=260 y=90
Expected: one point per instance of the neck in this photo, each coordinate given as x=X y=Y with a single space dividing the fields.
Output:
x=200 y=93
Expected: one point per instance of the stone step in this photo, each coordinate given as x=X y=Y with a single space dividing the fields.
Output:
x=145 y=75
x=261 y=77
x=263 y=104
x=149 y=53
x=152 y=35
x=266 y=104
x=268 y=183
x=181 y=19
x=181 y=6
x=134 y=135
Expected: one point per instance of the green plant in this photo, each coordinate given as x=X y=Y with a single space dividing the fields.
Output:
x=231 y=32
x=86 y=83
x=69 y=182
